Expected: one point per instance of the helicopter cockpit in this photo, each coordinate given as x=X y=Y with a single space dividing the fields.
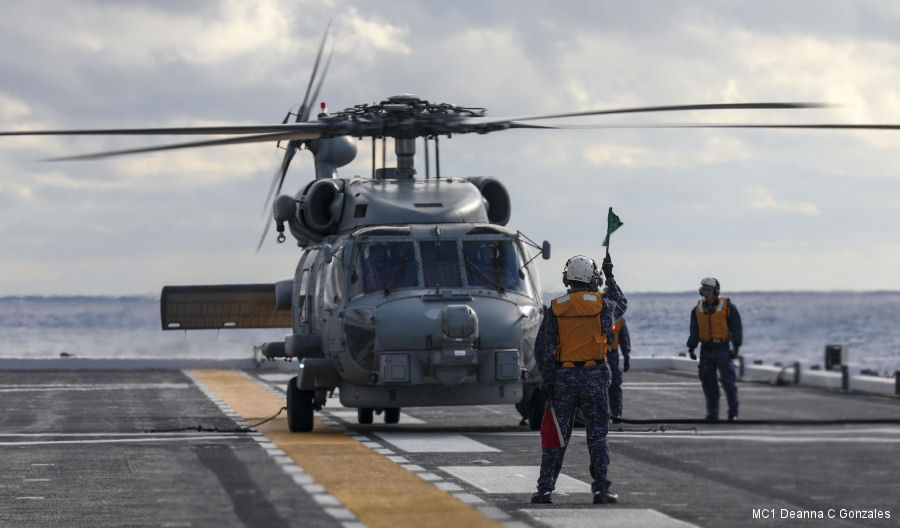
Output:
x=492 y=261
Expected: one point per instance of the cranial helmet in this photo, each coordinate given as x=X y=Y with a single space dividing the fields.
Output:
x=489 y=252
x=581 y=269
x=710 y=282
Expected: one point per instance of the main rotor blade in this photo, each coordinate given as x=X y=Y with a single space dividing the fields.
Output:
x=826 y=126
x=280 y=173
x=172 y=131
x=318 y=87
x=668 y=108
x=256 y=138
x=264 y=233
x=303 y=114
x=810 y=126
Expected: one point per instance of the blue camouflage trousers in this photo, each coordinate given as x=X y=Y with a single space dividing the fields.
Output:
x=587 y=388
x=615 y=385
x=717 y=357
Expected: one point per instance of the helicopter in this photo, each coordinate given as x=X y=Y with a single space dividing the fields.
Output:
x=409 y=291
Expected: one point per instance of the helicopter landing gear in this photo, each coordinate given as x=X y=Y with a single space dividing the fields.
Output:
x=300 y=405
x=392 y=415
x=365 y=415
x=536 y=412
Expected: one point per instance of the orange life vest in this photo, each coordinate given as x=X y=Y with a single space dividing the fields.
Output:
x=616 y=329
x=581 y=337
x=714 y=326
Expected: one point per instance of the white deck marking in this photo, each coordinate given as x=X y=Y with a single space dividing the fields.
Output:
x=889 y=435
x=120 y=440
x=435 y=443
x=277 y=378
x=94 y=435
x=468 y=498
x=609 y=517
x=93 y=387
x=511 y=479
x=350 y=416
x=659 y=383
x=448 y=486
x=691 y=387
x=769 y=439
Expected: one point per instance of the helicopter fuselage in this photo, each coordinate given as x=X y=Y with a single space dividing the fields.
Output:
x=417 y=315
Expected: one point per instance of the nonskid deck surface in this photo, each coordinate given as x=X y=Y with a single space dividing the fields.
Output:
x=122 y=448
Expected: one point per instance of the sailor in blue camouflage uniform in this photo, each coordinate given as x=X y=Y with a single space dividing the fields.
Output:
x=715 y=322
x=571 y=353
x=621 y=341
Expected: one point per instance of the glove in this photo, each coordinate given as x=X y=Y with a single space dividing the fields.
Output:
x=607 y=267
x=691 y=352
x=626 y=365
x=547 y=389
x=736 y=352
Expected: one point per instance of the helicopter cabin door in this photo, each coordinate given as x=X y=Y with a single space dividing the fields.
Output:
x=301 y=301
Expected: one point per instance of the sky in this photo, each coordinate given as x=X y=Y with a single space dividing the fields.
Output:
x=759 y=209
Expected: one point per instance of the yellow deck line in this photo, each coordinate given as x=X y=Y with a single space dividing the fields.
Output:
x=378 y=491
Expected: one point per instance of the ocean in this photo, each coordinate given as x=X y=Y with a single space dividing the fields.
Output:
x=778 y=327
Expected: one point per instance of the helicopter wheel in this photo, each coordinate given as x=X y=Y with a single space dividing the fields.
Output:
x=299 y=408
x=392 y=415
x=364 y=415
x=536 y=414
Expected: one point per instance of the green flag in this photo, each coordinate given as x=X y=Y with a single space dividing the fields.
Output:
x=612 y=223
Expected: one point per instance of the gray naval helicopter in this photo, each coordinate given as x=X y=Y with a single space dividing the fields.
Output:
x=409 y=291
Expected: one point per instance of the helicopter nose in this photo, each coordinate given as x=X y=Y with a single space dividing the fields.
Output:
x=458 y=327
x=458 y=324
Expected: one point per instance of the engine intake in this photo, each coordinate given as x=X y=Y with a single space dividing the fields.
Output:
x=323 y=205
x=496 y=199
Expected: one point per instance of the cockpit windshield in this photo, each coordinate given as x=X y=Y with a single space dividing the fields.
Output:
x=485 y=262
x=384 y=266
x=495 y=264
x=440 y=263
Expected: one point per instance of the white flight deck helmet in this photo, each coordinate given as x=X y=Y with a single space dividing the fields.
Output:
x=710 y=282
x=581 y=269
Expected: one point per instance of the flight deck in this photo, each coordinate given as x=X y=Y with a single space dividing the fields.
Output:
x=178 y=448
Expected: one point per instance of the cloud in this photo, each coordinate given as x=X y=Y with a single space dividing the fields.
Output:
x=760 y=197
x=709 y=149
x=12 y=108
x=373 y=33
x=242 y=28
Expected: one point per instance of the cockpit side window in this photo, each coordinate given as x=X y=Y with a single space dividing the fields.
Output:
x=440 y=263
x=384 y=265
x=495 y=264
x=334 y=281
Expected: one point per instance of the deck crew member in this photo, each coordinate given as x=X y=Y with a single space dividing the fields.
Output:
x=571 y=349
x=621 y=341
x=714 y=323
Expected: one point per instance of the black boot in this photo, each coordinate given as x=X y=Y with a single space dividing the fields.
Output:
x=605 y=497
x=541 y=497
